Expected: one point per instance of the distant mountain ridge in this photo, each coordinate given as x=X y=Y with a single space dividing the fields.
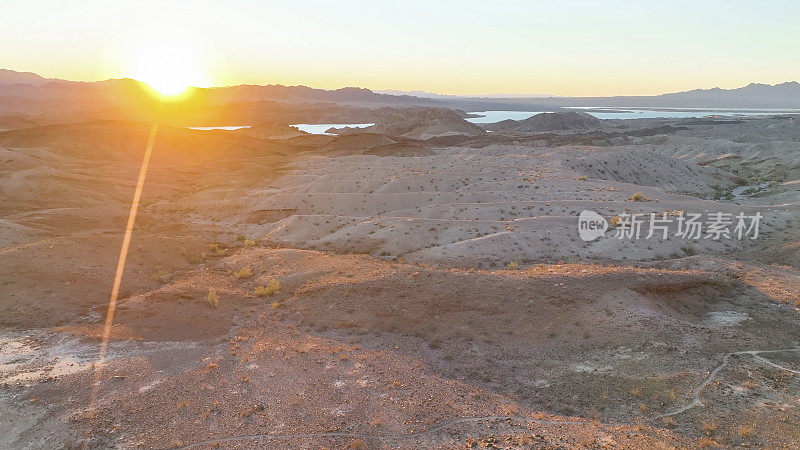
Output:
x=13 y=77
x=755 y=95
x=15 y=87
x=790 y=87
x=753 y=91
x=16 y=98
x=426 y=94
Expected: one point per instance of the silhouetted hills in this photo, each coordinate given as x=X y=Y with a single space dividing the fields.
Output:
x=46 y=100
x=550 y=122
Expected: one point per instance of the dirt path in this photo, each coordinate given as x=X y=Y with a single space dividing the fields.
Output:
x=696 y=401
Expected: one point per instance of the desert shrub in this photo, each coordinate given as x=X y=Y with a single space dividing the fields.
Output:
x=161 y=275
x=668 y=422
x=708 y=427
x=196 y=258
x=217 y=250
x=271 y=288
x=244 y=272
x=689 y=249
x=705 y=442
x=356 y=444
x=212 y=299
x=639 y=197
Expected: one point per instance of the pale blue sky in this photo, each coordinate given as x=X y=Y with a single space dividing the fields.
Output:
x=560 y=47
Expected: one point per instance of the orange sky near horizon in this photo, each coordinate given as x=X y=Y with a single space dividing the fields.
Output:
x=575 y=48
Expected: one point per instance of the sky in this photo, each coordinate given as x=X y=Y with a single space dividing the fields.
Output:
x=565 y=47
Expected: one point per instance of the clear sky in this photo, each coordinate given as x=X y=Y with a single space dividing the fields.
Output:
x=563 y=47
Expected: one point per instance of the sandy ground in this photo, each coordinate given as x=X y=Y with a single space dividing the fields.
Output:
x=431 y=301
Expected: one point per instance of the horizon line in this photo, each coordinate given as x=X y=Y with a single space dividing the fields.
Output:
x=400 y=92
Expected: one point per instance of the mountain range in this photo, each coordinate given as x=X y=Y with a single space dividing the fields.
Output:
x=26 y=93
x=754 y=95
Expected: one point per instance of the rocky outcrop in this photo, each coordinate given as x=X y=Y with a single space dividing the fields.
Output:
x=419 y=123
x=550 y=122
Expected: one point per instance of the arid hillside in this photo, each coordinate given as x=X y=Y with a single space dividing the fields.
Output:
x=392 y=290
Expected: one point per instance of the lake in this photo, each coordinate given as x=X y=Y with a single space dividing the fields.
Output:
x=313 y=128
x=320 y=128
x=600 y=113
x=632 y=113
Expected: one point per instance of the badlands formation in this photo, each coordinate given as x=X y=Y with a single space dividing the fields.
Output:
x=418 y=284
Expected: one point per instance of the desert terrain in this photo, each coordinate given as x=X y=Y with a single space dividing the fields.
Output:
x=420 y=283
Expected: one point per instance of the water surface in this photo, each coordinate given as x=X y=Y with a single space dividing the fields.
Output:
x=320 y=128
x=632 y=113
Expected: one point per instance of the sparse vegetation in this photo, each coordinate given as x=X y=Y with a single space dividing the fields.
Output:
x=161 y=275
x=721 y=192
x=244 y=272
x=689 y=249
x=668 y=422
x=357 y=444
x=639 y=197
x=500 y=326
x=708 y=427
x=217 y=250
x=197 y=259
x=271 y=288
x=212 y=299
x=706 y=442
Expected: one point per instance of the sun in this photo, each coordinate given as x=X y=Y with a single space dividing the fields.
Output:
x=169 y=67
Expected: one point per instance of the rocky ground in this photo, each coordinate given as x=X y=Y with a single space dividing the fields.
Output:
x=314 y=292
